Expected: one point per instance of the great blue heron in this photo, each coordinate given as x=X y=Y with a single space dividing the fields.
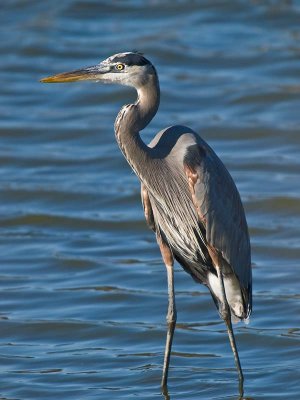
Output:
x=189 y=198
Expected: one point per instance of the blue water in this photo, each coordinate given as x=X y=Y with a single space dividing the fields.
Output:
x=83 y=288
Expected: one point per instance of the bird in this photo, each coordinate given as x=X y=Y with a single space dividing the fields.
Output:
x=189 y=198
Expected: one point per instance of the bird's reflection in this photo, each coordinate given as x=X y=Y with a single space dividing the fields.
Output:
x=166 y=395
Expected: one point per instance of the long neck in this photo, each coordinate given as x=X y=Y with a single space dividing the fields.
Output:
x=131 y=120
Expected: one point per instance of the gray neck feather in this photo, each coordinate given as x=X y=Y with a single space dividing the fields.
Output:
x=131 y=120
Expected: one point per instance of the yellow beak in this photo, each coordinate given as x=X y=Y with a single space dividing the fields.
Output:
x=84 y=74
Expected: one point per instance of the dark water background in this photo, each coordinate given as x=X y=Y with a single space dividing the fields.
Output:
x=82 y=285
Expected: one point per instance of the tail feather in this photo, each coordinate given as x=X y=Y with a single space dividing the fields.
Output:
x=237 y=297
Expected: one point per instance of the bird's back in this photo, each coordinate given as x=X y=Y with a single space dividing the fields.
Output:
x=203 y=217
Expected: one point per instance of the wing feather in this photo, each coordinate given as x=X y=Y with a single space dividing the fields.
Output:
x=220 y=209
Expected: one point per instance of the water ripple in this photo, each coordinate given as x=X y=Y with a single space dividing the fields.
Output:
x=83 y=288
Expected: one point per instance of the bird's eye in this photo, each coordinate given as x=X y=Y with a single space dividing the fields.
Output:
x=120 y=67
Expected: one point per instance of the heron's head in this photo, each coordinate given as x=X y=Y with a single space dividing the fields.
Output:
x=131 y=69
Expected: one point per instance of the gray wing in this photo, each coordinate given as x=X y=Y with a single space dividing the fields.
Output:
x=220 y=210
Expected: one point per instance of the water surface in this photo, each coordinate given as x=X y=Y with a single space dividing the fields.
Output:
x=83 y=288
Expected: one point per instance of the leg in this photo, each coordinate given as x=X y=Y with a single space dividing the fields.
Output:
x=226 y=316
x=171 y=320
x=171 y=315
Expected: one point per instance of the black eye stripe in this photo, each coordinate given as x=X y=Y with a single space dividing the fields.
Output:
x=132 y=59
